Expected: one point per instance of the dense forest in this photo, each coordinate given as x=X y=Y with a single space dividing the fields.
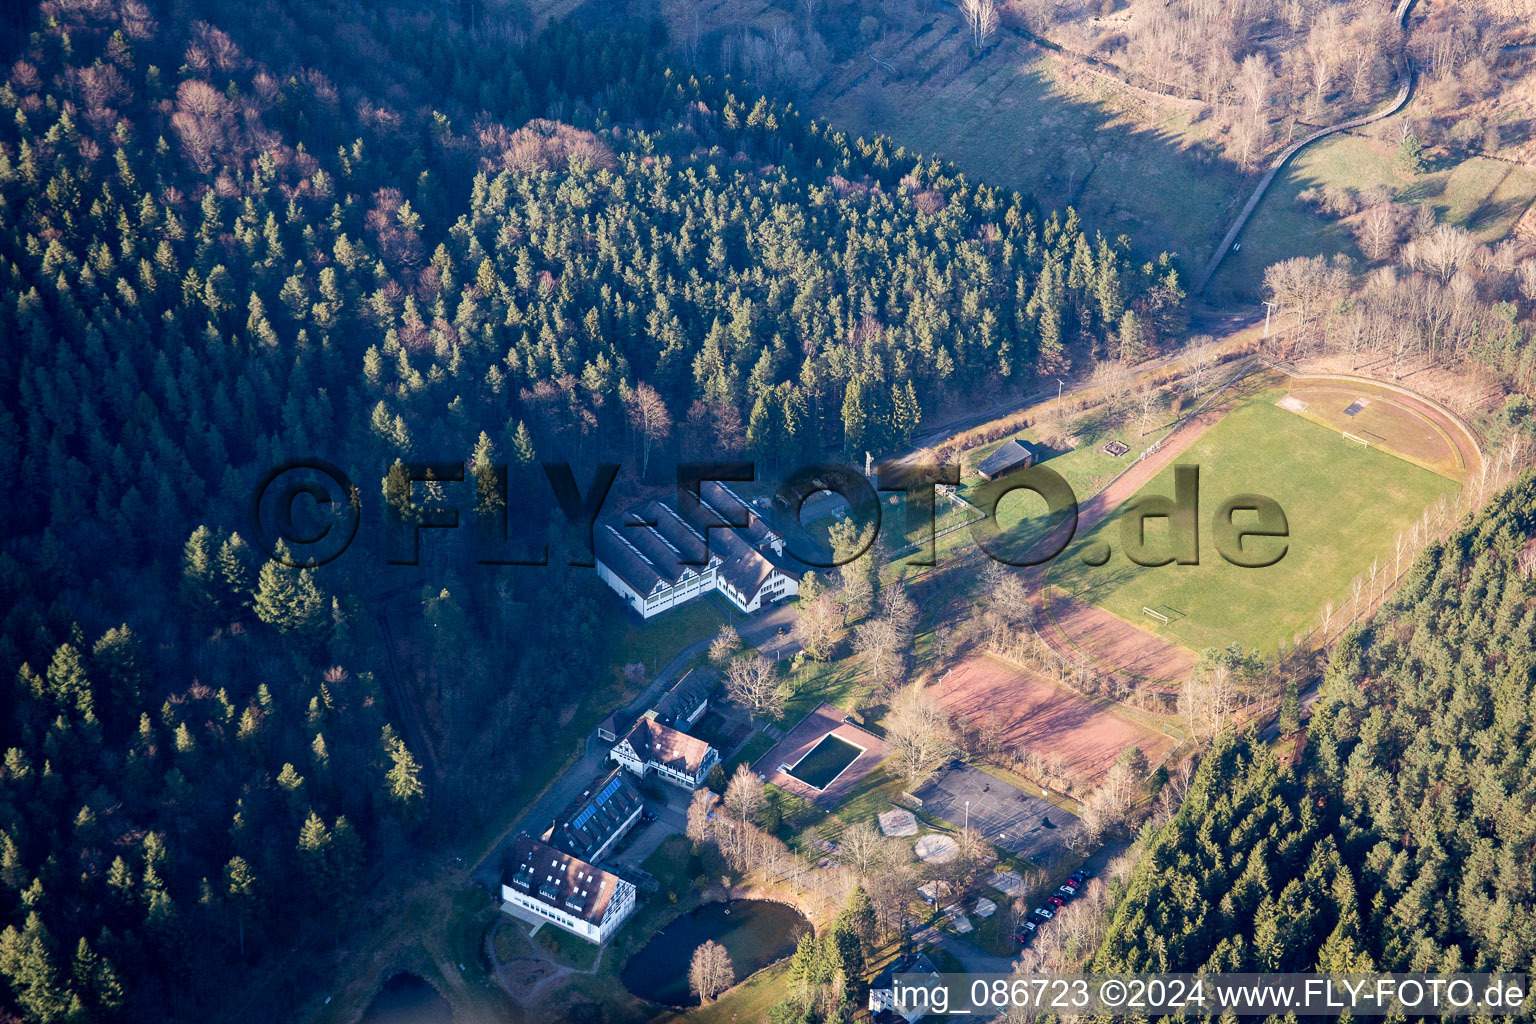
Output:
x=382 y=233
x=1402 y=837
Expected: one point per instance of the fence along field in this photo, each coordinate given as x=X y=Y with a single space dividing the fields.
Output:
x=1026 y=712
x=1345 y=506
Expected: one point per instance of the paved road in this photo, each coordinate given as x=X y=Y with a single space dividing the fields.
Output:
x=972 y=959
x=760 y=631
x=1280 y=161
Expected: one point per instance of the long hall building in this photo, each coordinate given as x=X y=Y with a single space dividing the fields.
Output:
x=641 y=555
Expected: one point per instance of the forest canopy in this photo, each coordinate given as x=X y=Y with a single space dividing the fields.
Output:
x=1403 y=838
x=233 y=236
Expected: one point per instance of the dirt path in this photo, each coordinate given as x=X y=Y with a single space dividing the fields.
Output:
x=1157 y=661
x=1393 y=106
x=548 y=972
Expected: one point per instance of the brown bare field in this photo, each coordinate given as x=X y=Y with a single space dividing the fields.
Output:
x=1083 y=633
x=1387 y=421
x=1108 y=640
x=1037 y=715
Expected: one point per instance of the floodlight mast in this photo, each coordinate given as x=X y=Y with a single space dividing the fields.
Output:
x=1269 y=307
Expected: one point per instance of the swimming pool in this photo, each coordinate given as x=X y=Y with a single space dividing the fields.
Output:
x=824 y=762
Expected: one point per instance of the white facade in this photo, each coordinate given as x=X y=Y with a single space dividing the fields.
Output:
x=690 y=584
x=640 y=555
x=911 y=1005
x=776 y=587
x=625 y=755
x=885 y=999
x=620 y=906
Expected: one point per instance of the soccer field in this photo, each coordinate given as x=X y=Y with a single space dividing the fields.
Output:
x=1345 y=506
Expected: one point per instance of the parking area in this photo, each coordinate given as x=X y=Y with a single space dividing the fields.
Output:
x=1021 y=823
x=671 y=819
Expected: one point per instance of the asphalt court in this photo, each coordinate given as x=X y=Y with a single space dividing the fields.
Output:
x=1016 y=821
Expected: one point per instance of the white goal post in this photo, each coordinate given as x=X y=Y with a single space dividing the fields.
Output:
x=1362 y=442
x=1159 y=616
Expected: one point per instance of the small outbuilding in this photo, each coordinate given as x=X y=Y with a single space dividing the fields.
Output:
x=1014 y=454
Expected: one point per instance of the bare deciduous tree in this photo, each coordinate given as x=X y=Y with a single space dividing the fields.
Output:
x=1110 y=805
x=1253 y=81
x=1009 y=599
x=1527 y=275
x=809 y=11
x=920 y=735
x=648 y=415
x=752 y=682
x=1202 y=364
x=700 y=828
x=204 y=120
x=863 y=848
x=1207 y=700
x=744 y=793
x=1442 y=251
x=816 y=626
x=1147 y=396
x=1379 y=230
x=890 y=890
x=710 y=972
x=726 y=643
x=980 y=18
x=897 y=606
x=879 y=643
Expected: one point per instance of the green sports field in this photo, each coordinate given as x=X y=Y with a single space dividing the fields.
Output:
x=1344 y=504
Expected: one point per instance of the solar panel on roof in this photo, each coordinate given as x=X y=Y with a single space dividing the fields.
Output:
x=610 y=789
x=584 y=817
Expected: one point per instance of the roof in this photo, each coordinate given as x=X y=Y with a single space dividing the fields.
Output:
x=664 y=745
x=593 y=818
x=615 y=551
x=729 y=505
x=744 y=567
x=651 y=544
x=561 y=881
x=908 y=963
x=1012 y=453
x=685 y=696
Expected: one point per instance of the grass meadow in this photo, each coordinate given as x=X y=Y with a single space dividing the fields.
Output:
x=1484 y=196
x=1345 y=506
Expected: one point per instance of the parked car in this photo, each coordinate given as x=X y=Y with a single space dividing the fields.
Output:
x=647 y=815
x=1056 y=901
x=1044 y=913
x=1026 y=927
x=1023 y=936
x=1066 y=893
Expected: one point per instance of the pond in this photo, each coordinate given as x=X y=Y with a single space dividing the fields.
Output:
x=754 y=932
x=407 y=999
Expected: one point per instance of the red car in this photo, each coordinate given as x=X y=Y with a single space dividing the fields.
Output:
x=1072 y=883
x=1056 y=901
